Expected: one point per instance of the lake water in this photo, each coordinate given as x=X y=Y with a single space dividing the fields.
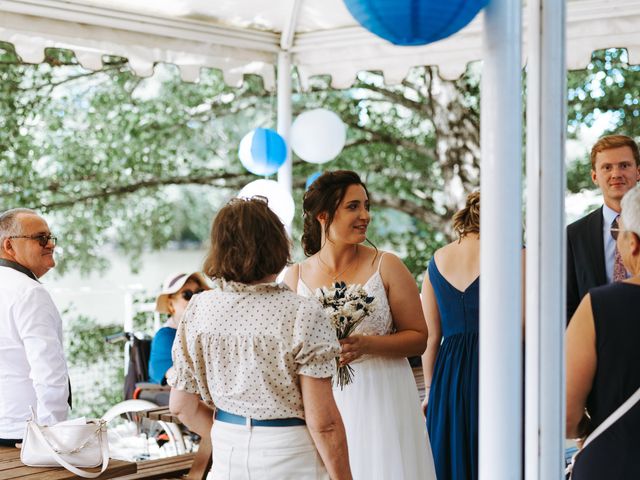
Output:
x=103 y=296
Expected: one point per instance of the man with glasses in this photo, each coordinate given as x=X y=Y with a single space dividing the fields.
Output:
x=592 y=258
x=33 y=370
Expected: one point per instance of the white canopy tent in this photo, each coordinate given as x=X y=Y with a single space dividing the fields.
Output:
x=267 y=38
x=246 y=36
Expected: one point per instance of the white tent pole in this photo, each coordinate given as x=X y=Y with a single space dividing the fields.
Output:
x=546 y=127
x=289 y=27
x=285 y=173
x=532 y=304
x=500 y=408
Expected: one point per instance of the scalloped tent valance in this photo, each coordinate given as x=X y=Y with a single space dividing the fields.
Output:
x=245 y=37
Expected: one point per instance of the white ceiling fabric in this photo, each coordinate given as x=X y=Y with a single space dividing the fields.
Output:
x=245 y=36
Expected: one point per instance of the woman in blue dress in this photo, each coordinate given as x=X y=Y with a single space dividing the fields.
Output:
x=450 y=300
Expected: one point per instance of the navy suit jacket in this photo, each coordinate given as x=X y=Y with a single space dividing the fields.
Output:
x=585 y=258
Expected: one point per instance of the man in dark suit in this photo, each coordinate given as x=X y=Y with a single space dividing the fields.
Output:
x=591 y=250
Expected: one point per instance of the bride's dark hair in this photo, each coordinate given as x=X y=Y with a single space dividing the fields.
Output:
x=324 y=195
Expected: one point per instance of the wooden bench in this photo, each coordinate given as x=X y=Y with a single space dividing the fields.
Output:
x=169 y=467
x=12 y=467
x=419 y=377
x=199 y=463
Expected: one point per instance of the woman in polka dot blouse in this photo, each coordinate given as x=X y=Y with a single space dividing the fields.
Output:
x=258 y=359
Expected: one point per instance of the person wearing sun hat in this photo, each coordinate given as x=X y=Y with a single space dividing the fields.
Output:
x=177 y=290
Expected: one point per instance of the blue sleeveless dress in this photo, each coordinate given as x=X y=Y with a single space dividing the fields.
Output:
x=452 y=414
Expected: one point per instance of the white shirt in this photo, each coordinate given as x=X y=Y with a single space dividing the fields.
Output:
x=609 y=216
x=33 y=370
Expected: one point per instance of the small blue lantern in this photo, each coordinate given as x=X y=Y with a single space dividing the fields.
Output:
x=414 y=22
x=262 y=151
x=310 y=179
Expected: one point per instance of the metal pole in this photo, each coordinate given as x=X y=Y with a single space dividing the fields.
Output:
x=285 y=173
x=500 y=408
x=128 y=323
x=545 y=300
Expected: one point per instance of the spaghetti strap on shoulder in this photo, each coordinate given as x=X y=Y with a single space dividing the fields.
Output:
x=380 y=261
x=299 y=271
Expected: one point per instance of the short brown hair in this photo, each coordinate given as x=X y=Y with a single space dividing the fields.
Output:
x=467 y=220
x=248 y=242
x=614 y=141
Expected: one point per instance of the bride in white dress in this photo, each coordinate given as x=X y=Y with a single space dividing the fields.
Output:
x=386 y=432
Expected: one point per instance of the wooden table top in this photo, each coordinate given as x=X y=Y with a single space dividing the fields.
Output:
x=12 y=467
x=160 y=413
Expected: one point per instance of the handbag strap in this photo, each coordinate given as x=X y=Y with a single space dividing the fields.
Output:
x=102 y=438
x=610 y=420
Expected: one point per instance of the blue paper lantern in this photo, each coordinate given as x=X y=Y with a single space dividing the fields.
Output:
x=262 y=151
x=414 y=22
x=311 y=178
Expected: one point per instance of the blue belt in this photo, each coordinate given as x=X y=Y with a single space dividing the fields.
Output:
x=227 y=417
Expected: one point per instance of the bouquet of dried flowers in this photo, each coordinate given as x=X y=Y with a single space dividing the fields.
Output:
x=346 y=306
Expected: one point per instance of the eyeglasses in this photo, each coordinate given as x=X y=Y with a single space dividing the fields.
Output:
x=43 y=239
x=615 y=231
x=254 y=198
x=187 y=294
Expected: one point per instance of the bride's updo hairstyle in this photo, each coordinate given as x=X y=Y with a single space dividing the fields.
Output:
x=324 y=195
x=248 y=242
x=467 y=220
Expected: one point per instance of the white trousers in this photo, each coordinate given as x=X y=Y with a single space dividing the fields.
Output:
x=264 y=453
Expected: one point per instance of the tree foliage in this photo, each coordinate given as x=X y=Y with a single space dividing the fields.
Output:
x=96 y=367
x=609 y=87
x=142 y=162
x=112 y=158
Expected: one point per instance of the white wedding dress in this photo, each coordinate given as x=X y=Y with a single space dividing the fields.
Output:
x=386 y=431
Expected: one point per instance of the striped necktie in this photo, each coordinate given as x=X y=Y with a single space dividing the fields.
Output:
x=619 y=272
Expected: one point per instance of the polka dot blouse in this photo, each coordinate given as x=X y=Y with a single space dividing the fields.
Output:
x=242 y=348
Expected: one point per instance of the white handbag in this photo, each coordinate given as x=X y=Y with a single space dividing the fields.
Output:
x=71 y=444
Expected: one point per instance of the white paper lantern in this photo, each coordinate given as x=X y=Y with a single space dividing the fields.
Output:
x=280 y=201
x=318 y=136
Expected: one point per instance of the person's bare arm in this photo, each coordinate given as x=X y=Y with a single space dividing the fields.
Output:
x=580 y=341
x=410 y=338
x=432 y=316
x=193 y=412
x=325 y=426
x=291 y=277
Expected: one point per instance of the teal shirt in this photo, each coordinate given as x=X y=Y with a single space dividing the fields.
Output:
x=160 y=358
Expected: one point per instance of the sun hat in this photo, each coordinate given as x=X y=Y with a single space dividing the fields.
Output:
x=172 y=284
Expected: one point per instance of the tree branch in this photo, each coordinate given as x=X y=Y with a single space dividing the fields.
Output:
x=53 y=85
x=395 y=97
x=417 y=211
x=239 y=180
x=382 y=137
x=233 y=181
